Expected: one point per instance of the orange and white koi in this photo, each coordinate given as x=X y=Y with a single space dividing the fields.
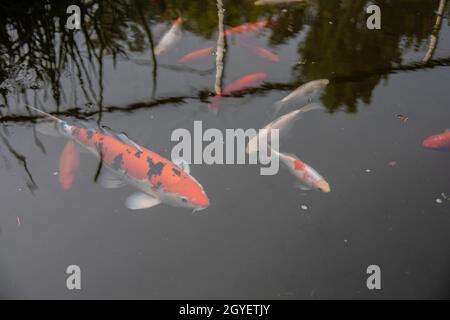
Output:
x=247 y=27
x=309 y=179
x=196 y=55
x=262 y=52
x=68 y=165
x=158 y=179
x=170 y=38
x=241 y=84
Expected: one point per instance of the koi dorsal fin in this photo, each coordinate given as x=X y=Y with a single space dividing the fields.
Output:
x=124 y=138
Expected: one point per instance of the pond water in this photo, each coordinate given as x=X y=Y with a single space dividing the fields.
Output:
x=261 y=237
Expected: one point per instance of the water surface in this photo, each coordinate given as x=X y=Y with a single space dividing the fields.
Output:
x=254 y=241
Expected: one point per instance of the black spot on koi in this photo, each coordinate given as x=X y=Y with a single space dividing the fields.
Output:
x=154 y=168
x=117 y=162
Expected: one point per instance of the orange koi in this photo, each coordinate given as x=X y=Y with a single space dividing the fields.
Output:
x=158 y=179
x=196 y=55
x=247 y=27
x=263 y=53
x=241 y=84
x=439 y=142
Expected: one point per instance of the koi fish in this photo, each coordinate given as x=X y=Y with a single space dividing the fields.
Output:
x=307 y=90
x=241 y=84
x=170 y=38
x=263 y=53
x=196 y=55
x=247 y=27
x=157 y=179
x=439 y=142
x=282 y=124
x=68 y=165
x=309 y=179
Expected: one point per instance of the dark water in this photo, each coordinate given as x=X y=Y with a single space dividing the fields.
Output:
x=255 y=240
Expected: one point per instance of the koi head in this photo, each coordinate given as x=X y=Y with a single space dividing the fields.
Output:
x=322 y=186
x=184 y=191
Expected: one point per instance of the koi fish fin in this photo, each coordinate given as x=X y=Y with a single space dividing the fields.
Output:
x=48 y=129
x=278 y=106
x=183 y=164
x=124 y=138
x=68 y=165
x=302 y=186
x=140 y=200
x=214 y=105
x=81 y=149
x=311 y=107
x=109 y=180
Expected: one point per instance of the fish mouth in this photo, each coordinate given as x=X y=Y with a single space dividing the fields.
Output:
x=200 y=203
x=323 y=186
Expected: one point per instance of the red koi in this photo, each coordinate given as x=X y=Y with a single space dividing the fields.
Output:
x=439 y=142
x=263 y=53
x=247 y=27
x=241 y=84
x=196 y=55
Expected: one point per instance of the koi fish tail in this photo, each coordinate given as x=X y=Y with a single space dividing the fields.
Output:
x=214 y=105
x=277 y=107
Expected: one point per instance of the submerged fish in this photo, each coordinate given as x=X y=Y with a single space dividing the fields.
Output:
x=68 y=165
x=439 y=142
x=309 y=179
x=241 y=84
x=196 y=55
x=282 y=124
x=158 y=179
x=170 y=38
x=247 y=27
x=262 y=52
x=305 y=91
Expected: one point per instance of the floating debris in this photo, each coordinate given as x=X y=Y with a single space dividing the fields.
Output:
x=403 y=118
x=439 y=200
x=368 y=171
x=392 y=163
x=304 y=207
x=18 y=222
